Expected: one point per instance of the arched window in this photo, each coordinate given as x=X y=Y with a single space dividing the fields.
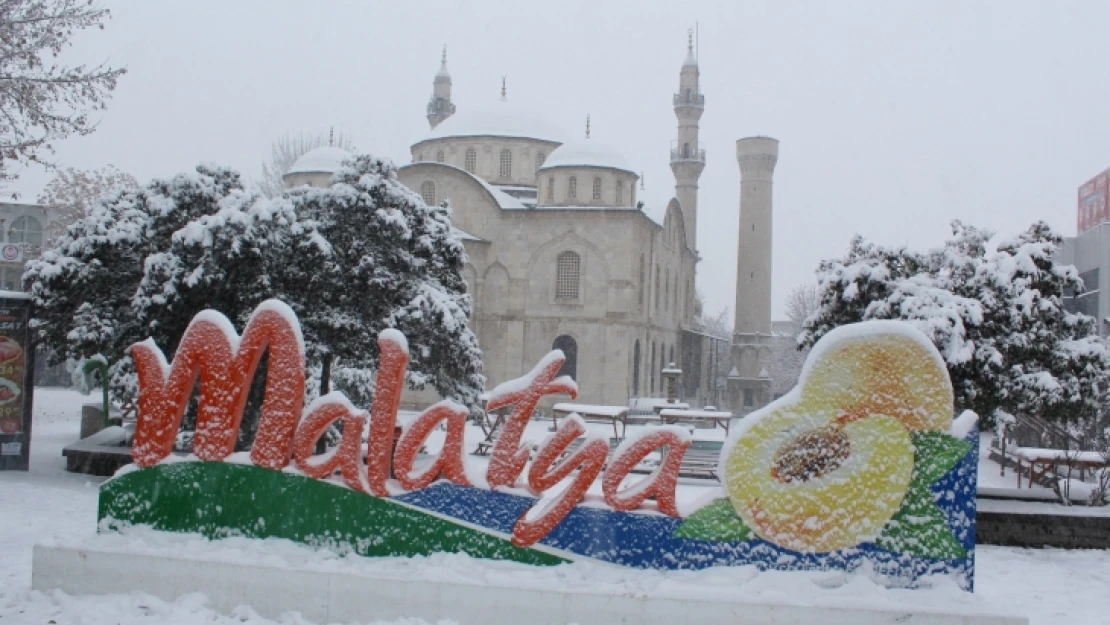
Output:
x=620 y=192
x=471 y=160
x=636 y=369
x=26 y=230
x=506 y=164
x=439 y=156
x=428 y=192
x=597 y=187
x=651 y=368
x=570 y=350
x=540 y=158
x=551 y=188
x=572 y=187
x=671 y=359
x=567 y=273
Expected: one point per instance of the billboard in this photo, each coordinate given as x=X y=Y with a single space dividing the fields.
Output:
x=16 y=367
x=1092 y=208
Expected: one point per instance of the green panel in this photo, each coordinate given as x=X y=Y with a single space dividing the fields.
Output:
x=218 y=499
x=717 y=522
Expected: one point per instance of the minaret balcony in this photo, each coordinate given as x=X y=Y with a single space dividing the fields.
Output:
x=690 y=98
x=438 y=106
x=687 y=152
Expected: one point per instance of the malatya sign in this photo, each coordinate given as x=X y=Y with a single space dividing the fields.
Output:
x=861 y=463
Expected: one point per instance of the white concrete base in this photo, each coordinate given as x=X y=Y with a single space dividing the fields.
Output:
x=346 y=597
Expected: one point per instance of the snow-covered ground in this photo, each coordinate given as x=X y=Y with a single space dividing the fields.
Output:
x=1050 y=586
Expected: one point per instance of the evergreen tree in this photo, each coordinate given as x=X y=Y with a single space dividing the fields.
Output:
x=997 y=319
x=372 y=255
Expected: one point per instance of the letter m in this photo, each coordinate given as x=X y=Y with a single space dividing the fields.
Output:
x=225 y=365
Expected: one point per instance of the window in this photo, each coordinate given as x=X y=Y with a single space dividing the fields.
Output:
x=570 y=351
x=506 y=164
x=641 y=275
x=439 y=157
x=551 y=188
x=540 y=158
x=667 y=291
x=656 y=290
x=1085 y=302
x=471 y=160
x=428 y=192
x=597 y=187
x=651 y=368
x=685 y=150
x=567 y=268
x=749 y=398
x=11 y=279
x=670 y=361
x=26 y=230
x=620 y=192
x=419 y=158
x=636 y=369
x=572 y=187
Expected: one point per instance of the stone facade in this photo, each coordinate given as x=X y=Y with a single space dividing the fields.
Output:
x=561 y=254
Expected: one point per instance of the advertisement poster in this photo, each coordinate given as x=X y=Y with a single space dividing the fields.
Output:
x=16 y=387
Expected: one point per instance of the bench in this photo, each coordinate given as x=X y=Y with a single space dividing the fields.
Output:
x=710 y=418
x=1049 y=459
x=596 y=414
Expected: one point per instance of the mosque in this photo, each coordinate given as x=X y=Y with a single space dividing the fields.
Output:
x=563 y=254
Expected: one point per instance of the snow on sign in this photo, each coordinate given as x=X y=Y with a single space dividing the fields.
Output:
x=862 y=466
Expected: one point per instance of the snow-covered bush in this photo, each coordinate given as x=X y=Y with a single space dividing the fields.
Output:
x=998 y=319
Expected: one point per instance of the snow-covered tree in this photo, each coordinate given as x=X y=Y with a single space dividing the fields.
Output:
x=288 y=148
x=86 y=287
x=374 y=256
x=364 y=255
x=997 y=318
x=72 y=193
x=40 y=101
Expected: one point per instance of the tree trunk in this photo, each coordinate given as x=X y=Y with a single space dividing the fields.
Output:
x=325 y=388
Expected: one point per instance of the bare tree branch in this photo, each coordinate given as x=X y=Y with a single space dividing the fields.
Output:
x=288 y=148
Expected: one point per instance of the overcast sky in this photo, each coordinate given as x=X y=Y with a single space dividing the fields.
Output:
x=894 y=117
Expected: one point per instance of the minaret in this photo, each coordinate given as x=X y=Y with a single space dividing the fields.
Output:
x=687 y=157
x=757 y=157
x=439 y=106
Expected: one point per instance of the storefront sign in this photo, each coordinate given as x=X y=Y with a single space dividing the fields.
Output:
x=16 y=384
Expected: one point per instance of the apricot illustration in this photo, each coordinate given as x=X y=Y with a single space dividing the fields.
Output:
x=889 y=374
x=810 y=483
x=826 y=467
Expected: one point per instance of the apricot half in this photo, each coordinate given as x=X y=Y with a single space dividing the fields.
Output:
x=813 y=483
x=893 y=373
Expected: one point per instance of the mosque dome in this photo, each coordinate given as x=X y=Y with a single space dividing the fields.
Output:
x=503 y=119
x=324 y=159
x=586 y=153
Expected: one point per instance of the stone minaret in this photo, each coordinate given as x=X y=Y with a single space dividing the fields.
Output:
x=757 y=157
x=687 y=157
x=439 y=106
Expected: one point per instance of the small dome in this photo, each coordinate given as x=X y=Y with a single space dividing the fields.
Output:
x=586 y=153
x=503 y=119
x=324 y=159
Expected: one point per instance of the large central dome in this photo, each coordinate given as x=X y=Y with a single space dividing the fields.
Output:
x=503 y=119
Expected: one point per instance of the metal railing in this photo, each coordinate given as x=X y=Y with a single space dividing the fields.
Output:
x=687 y=155
x=689 y=99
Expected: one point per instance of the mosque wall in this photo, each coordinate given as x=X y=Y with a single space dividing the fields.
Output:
x=525 y=156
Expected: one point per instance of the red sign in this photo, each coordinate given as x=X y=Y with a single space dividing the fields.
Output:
x=1092 y=209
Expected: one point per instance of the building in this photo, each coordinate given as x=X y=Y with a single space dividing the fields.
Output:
x=1089 y=252
x=564 y=253
x=22 y=228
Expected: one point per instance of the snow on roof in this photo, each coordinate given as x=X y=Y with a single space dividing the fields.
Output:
x=504 y=200
x=503 y=119
x=587 y=153
x=464 y=235
x=324 y=159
